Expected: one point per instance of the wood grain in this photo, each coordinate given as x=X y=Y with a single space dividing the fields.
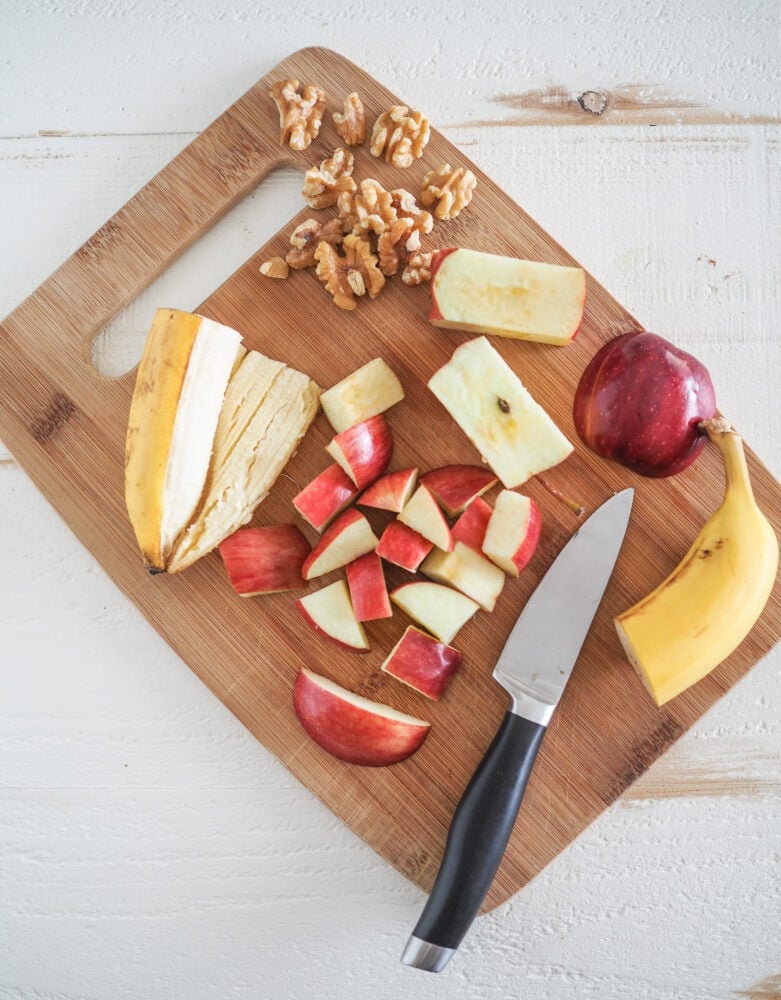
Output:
x=65 y=425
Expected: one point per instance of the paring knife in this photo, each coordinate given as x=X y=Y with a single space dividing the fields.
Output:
x=534 y=668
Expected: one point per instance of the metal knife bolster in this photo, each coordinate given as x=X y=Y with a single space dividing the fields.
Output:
x=526 y=705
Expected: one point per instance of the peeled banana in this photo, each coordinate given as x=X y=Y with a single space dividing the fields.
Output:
x=697 y=616
x=211 y=427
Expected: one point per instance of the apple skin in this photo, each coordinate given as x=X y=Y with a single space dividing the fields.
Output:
x=403 y=547
x=265 y=560
x=390 y=492
x=368 y=592
x=326 y=496
x=423 y=662
x=471 y=526
x=640 y=401
x=353 y=728
x=454 y=487
x=364 y=450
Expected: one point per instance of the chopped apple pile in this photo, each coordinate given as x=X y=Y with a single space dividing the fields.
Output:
x=439 y=525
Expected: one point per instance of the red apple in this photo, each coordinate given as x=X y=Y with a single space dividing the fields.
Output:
x=403 y=547
x=326 y=496
x=513 y=532
x=439 y=609
x=423 y=514
x=454 y=487
x=265 y=560
x=353 y=728
x=470 y=527
x=391 y=491
x=368 y=592
x=330 y=613
x=364 y=450
x=348 y=537
x=640 y=402
x=422 y=662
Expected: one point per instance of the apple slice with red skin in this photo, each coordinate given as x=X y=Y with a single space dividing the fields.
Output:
x=423 y=662
x=640 y=401
x=391 y=491
x=353 y=728
x=454 y=487
x=364 y=450
x=368 y=592
x=330 y=612
x=326 y=496
x=471 y=526
x=441 y=610
x=513 y=532
x=467 y=571
x=403 y=547
x=423 y=514
x=346 y=538
x=265 y=560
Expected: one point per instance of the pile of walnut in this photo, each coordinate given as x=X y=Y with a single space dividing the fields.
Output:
x=378 y=231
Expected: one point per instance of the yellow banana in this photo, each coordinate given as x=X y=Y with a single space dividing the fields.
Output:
x=702 y=612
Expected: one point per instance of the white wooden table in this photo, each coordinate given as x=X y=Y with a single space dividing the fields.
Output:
x=149 y=847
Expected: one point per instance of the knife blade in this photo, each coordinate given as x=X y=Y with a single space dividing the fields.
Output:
x=533 y=668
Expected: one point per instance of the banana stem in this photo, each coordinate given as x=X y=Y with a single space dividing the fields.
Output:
x=730 y=444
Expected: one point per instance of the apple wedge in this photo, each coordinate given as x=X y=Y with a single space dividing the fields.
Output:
x=354 y=728
x=454 y=487
x=486 y=293
x=468 y=572
x=423 y=514
x=330 y=612
x=368 y=391
x=403 y=547
x=364 y=450
x=423 y=663
x=470 y=528
x=513 y=532
x=265 y=560
x=391 y=491
x=346 y=538
x=439 y=609
x=499 y=416
x=326 y=496
x=368 y=592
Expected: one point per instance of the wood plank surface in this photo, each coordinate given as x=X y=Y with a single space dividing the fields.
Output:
x=65 y=425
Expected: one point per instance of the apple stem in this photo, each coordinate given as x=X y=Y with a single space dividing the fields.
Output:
x=577 y=508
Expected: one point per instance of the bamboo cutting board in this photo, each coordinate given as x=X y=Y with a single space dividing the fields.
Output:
x=65 y=424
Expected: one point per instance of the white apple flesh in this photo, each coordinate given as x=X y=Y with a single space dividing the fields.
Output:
x=364 y=450
x=513 y=532
x=423 y=663
x=265 y=560
x=353 y=728
x=347 y=538
x=524 y=299
x=468 y=572
x=326 y=496
x=423 y=514
x=370 y=390
x=441 y=610
x=485 y=397
x=330 y=612
x=403 y=547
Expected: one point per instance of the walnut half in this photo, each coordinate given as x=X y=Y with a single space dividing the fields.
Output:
x=400 y=135
x=305 y=239
x=351 y=124
x=300 y=112
x=324 y=184
x=353 y=275
x=367 y=210
x=450 y=189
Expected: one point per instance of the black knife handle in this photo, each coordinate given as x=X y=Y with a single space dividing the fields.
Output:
x=479 y=831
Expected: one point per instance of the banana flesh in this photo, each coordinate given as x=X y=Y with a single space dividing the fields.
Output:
x=702 y=612
x=211 y=426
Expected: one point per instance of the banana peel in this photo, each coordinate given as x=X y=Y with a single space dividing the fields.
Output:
x=211 y=426
x=705 y=608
